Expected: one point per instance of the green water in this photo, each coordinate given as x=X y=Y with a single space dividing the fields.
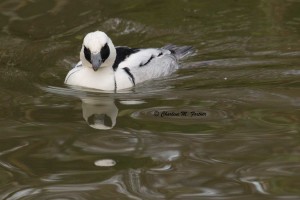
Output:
x=242 y=88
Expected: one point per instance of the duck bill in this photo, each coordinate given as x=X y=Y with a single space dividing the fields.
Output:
x=96 y=61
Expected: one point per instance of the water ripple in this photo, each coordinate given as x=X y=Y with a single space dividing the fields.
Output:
x=244 y=77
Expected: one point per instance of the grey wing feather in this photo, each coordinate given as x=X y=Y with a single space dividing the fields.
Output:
x=180 y=52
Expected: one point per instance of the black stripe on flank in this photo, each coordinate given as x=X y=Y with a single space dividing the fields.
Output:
x=127 y=70
x=87 y=54
x=116 y=88
x=143 y=64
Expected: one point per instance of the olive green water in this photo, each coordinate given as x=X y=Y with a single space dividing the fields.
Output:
x=243 y=141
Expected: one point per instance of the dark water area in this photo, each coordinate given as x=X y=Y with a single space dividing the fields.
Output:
x=224 y=126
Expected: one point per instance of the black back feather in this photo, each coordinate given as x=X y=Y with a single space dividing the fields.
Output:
x=122 y=54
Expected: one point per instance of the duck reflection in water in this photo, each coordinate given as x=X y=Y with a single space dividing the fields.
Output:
x=98 y=109
x=99 y=113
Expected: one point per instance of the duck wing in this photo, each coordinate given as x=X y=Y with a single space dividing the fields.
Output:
x=139 y=65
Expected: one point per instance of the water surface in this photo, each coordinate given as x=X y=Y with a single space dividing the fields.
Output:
x=65 y=143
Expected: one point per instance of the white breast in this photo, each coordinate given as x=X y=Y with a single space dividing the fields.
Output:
x=102 y=79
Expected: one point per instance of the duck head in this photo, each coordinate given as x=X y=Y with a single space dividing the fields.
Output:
x=97 y=51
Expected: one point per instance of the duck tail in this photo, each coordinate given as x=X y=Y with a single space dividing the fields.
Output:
x=180 y=52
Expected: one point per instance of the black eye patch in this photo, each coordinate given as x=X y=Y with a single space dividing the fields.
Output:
x=105 y=52
x=87 y=54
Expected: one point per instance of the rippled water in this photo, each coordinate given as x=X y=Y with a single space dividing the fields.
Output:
x=225 y=126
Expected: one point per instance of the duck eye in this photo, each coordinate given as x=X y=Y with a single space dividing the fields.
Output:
x=105 y=52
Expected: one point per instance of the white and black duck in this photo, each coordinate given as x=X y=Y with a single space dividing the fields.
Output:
x=106 y=67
